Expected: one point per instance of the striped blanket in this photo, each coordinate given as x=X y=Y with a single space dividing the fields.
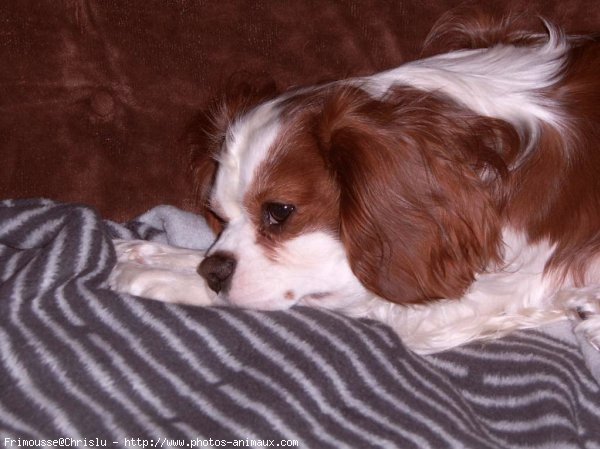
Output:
x=83 y=366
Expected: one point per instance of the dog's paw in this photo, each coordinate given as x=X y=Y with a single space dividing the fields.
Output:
x=158 y=255
x=582 y=305
x=159 y=272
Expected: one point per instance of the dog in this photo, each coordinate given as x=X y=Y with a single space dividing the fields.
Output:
x=454 y=198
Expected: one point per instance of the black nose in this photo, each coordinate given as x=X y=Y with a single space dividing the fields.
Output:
x=218 y=270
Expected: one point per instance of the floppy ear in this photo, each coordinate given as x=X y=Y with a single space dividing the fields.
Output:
x=205 y=135
x=418 y=181
x=204 y=146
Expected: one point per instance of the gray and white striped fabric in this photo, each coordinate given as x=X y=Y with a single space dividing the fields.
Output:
x=79 y=361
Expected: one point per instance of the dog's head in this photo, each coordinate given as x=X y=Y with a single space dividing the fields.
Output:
x=329 y=196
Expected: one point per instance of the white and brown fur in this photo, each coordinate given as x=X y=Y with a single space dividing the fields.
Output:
x=454 y=198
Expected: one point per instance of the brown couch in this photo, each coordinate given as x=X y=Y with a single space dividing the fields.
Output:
x=95 y=95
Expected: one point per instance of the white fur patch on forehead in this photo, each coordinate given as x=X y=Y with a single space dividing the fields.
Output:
x=247 y=144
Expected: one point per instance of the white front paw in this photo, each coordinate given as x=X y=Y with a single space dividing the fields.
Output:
x=159 y=272
x=158 y=255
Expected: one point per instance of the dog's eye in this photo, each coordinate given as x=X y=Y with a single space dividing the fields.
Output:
x=277 y=213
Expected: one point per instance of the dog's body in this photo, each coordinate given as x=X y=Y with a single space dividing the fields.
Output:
x=455 y=197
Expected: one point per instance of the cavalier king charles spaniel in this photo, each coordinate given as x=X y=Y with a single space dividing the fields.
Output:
x=455 y=197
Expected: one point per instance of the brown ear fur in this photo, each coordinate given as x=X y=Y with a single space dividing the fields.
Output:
x=205 y=135
x=420 y=181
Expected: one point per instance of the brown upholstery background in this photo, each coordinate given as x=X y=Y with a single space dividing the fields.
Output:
x=95 y=94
